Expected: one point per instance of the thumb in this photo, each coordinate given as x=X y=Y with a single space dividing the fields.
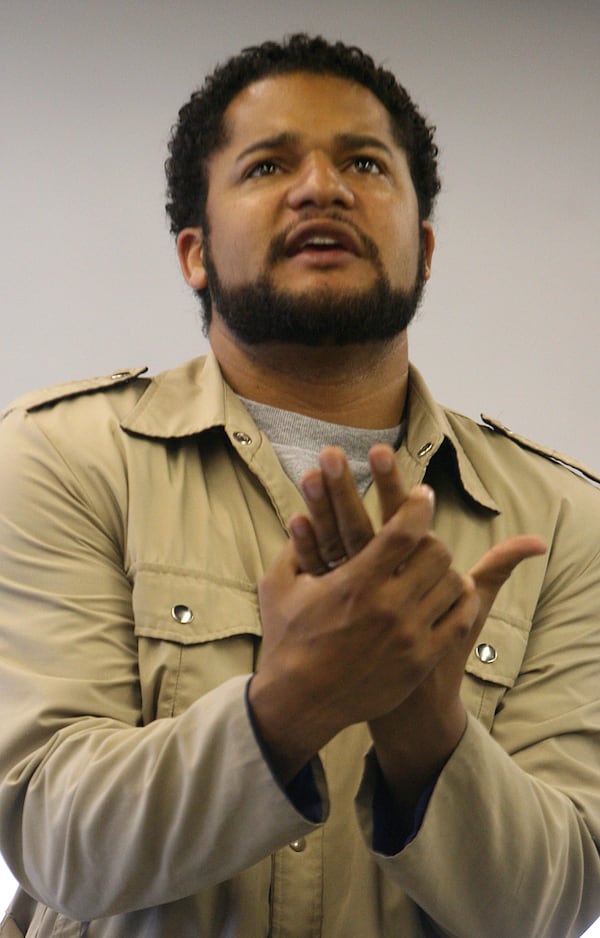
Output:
x=280 y=575
x=497 y=564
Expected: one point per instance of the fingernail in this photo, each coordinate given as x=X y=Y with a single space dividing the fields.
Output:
x=332 y=464
x=383 y=460
x=299 y=526
x=428 y=492
x=312 y=485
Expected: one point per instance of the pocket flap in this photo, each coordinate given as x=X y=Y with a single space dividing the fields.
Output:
x=189 y=608
x=498 y=652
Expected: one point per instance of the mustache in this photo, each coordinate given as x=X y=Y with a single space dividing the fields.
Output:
x=370 y=250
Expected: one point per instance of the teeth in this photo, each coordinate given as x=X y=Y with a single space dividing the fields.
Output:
x=320 y=241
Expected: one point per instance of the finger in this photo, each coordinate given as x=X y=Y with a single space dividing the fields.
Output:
x=352 y=521
x=327 y=538
x=444 y=592
x=283 y=571
x=391 y=547
x=426 y=577
x=386 y=476
x=461 y=617
x=497 y=564
x=305 y=543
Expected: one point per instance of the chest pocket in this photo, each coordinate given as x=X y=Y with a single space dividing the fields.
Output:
x=492 y=668
x=194 y=633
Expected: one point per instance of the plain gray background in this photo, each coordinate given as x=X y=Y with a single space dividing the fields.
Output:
x=88 y=276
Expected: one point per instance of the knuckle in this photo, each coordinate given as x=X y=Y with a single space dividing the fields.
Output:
x=464 y=617
x=386 y=613
x=347 y=587
x=392 y=617
x=455 y=582
x=462 y=625
x=330 y=545
x=437 y=552
x=355 y=538
x=402 y=541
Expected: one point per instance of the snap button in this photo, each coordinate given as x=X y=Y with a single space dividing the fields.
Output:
x=242 y=438
x=182 y=613
x=119 y=374
x=486 y=653
x=426 y=448
x=298 y=845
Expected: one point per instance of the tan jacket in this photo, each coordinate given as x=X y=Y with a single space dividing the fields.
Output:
x=136 y=517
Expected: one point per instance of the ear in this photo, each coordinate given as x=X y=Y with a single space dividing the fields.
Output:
x=429 y=246
x=191 y=257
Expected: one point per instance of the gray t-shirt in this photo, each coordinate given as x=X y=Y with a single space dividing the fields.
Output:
x=298 y=440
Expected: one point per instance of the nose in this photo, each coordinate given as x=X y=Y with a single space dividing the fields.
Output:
x=319 y=183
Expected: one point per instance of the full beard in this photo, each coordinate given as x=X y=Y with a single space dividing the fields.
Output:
x=260 y=312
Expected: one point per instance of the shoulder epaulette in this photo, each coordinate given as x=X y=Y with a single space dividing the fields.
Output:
x=545 y=451
x=58 y=392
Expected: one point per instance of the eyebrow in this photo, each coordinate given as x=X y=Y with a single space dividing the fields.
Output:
x=345 y=141
x=269 y=143
x=363 y=141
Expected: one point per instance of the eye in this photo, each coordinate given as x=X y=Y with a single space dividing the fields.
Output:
x=367 y=165
x=264 y=168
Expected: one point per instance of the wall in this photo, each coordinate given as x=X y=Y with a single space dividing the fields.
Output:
x=88 y=279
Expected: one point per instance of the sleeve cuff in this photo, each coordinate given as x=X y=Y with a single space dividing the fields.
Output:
x=392 y=830
x=303 y=790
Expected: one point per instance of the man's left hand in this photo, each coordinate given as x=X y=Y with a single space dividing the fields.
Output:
x=414 y=741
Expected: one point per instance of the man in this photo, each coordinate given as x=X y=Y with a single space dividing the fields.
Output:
x=206 y=626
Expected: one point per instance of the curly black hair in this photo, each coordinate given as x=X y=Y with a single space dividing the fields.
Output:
x=200 y=129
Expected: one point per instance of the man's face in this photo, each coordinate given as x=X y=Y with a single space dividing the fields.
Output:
x=313 y=218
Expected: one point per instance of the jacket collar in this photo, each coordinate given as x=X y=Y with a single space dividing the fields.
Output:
x=184 y=401
x=429 y=425
x=193 y=398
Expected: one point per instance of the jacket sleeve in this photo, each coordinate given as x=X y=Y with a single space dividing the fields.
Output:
x=509 y=842
x=91 y=800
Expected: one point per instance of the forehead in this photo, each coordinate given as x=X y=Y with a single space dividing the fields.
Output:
x=308 y=104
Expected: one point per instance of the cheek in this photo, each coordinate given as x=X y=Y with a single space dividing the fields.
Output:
x=230 y=250
x=400 y=243
x=238 y=244
x=402 y=260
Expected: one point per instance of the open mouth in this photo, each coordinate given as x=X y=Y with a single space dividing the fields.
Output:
x=322 y=237
x=319 y=243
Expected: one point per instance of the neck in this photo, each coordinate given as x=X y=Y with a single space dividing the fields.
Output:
x=355 y=385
